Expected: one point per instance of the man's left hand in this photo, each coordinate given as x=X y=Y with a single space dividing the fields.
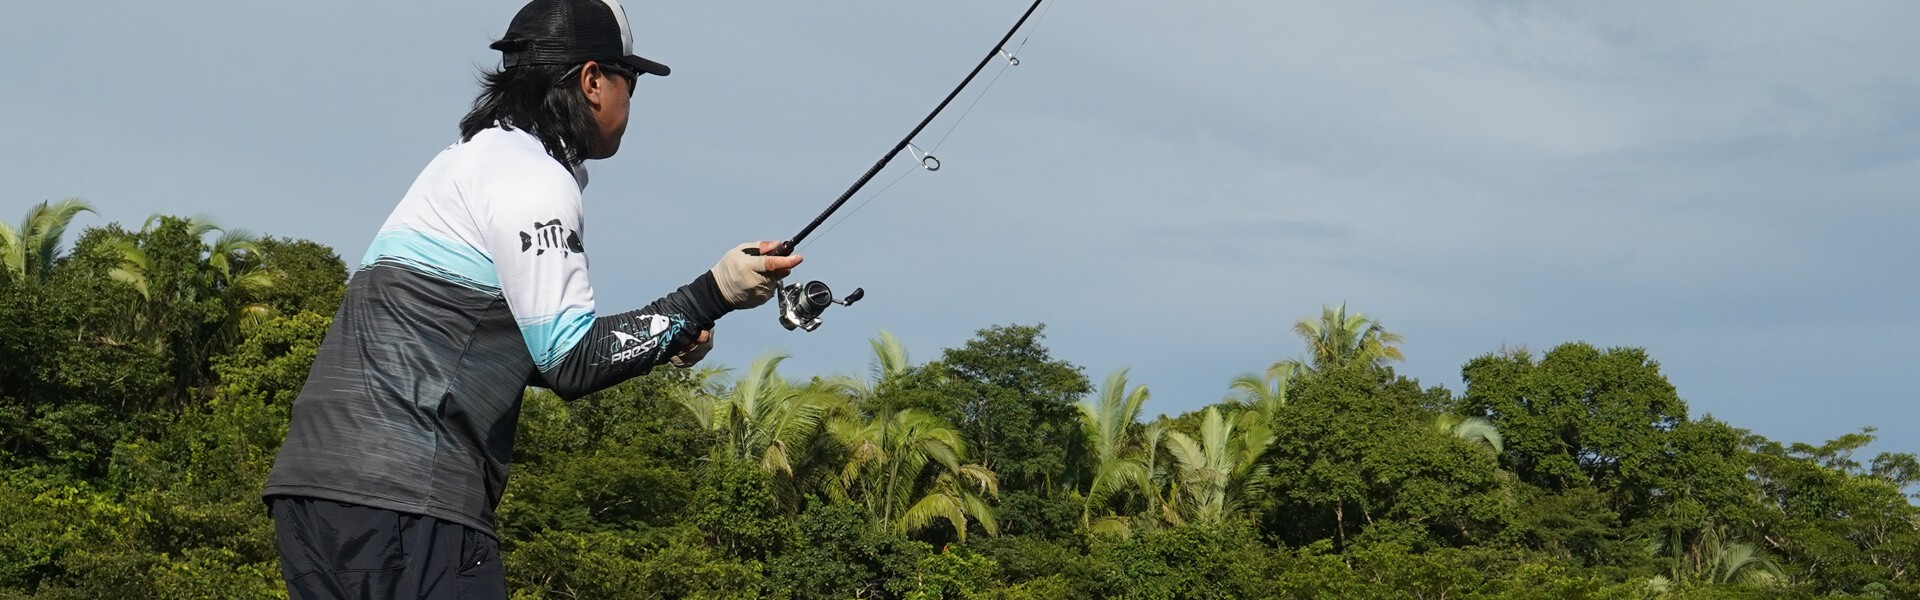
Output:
x=692 y=354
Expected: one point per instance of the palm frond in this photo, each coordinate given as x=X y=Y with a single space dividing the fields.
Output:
x=982 y=512
x=703 y=407
x=982 y=477
x=889 y=357
x=13 y=252
x=935 y=507
x=1111 y=526
x=254 y=282
x=1479 y=429
x=134 y=264
x=774 y=460
x=46 y=224
x=252 y=316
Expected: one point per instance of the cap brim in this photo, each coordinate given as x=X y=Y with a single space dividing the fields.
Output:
x=645 y=66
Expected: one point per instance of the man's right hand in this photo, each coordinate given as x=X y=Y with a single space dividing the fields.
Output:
x=748 y=279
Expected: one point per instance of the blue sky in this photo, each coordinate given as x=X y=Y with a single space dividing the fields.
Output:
x=1169 y=186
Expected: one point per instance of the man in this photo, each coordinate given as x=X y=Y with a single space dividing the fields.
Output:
x=476 y=287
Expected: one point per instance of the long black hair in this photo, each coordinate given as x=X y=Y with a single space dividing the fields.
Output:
x=545 y=100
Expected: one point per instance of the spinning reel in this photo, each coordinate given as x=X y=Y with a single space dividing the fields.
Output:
x=802 y=303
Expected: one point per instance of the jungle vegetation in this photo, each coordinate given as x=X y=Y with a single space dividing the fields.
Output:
x=145 y=378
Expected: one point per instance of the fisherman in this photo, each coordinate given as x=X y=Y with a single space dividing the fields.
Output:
x=475 y=288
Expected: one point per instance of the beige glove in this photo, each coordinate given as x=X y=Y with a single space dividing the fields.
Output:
x=749 y=280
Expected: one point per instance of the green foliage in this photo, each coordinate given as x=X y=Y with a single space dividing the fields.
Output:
x=28 y=252
x=1036 y=564
x=1844 y=526
x=832 y=554
x=149 y=374
x=1015 y=404
x=1117 y=453
x=1581 y=416
x=1355 y=446
x=1338 y=339
x=66 y=393
x=905 y=468
x=735 y=506
x=1200 y=561
x=307 y=276
x=620 y=459
x=673 y=563
x=952 y=575
x=1219 y=468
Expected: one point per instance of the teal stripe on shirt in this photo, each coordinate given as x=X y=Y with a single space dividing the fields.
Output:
x=454 y=261
x=549 y=339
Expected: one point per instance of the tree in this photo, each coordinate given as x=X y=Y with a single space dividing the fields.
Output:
x=27 y=254
x=1835 y=521
x=889 y=361
x=765 y=418
x=1266 y=394
x=307 y=276
x=903 y=465
x=224 y=272
x=1581 y=416
x=1356 y=449
x=1715 y=559
x=193 y=297
x=1338 y=338
x=1017 y=404
x=1115 y=453
x=1219 y=470
x=906 y=467
x=66 y=393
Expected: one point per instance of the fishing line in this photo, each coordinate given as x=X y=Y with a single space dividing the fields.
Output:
x=927 y=160
x=1010 y=59
x=856 y=208
x=936 y=147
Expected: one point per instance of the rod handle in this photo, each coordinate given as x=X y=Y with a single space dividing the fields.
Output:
x=785 y=249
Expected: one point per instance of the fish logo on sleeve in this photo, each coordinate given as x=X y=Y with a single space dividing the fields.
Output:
x=551 y=235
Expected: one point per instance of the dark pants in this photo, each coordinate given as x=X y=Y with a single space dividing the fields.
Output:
x=330 y=550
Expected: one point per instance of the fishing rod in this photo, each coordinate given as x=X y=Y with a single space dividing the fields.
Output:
x=801 y=304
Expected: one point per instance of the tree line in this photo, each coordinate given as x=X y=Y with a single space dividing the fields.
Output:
x=146 y=374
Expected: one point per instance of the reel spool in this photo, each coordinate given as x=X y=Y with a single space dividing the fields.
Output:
x=802 y=303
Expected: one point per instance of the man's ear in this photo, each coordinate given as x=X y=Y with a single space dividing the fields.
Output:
x=593 y=83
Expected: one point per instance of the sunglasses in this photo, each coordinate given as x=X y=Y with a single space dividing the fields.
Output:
x=573 y=74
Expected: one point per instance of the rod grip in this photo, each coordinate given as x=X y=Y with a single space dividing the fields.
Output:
x=785 y=249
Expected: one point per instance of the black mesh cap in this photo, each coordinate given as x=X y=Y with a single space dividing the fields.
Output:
x=566 y=32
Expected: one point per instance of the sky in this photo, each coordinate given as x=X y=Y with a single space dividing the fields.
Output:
x=1168 y=186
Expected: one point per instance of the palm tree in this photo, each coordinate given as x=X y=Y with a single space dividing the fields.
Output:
x=909 y=463
x=28 y=253
x=1266 y=394
x=903 y=465
x=1219 y=471
x=1116 y=456
x=1714 y=559
x=1338 y=338
x=232 y=258
x=764 y=417
x=1471 y=429
x=1161 y=472
x=889 y=361
x=193 y=295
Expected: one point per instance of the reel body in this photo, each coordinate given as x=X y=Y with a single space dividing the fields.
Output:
x=802 y=303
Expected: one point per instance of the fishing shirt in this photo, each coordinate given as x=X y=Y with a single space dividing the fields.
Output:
x=475 y=288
